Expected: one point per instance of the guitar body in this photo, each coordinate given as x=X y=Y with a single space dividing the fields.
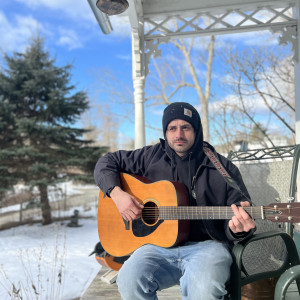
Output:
x=119 y=241
x=111 y=262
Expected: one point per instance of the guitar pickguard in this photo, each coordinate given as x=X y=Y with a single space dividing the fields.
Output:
x=140 y=229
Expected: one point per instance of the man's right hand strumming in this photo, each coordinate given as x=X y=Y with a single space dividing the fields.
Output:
x=128 y=206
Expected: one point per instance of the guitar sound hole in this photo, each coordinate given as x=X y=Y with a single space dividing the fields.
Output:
x=150 y=213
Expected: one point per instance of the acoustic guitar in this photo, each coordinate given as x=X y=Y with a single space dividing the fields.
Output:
x=166 y=214
x=107 y=260
x=111 y=262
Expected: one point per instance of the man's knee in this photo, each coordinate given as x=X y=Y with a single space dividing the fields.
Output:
x=134 y=282
x=129 y=276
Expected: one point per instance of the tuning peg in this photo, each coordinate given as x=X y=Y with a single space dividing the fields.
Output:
x=290 y=199
x=277 y=199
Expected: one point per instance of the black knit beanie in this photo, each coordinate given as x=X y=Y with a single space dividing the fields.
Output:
x=183 y=111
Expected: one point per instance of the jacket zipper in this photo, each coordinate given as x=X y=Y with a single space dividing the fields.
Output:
x=172 y=165
x=194 y=180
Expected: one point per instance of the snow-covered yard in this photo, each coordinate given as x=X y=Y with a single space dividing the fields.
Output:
x=51 y=262
x=47 y=262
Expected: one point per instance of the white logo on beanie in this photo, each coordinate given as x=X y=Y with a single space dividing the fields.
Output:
x=188 y=112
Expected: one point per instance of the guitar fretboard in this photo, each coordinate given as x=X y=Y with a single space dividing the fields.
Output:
x=205 y=212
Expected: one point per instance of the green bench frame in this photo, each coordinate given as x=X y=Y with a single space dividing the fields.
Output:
x=238 y=278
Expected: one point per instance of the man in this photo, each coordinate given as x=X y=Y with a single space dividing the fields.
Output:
x=202 y=265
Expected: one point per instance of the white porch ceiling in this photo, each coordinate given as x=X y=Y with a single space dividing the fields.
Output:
x=170 y=7
x=154 y=19
x=157 y=21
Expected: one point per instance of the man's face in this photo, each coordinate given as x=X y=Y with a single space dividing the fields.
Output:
x=180 y=136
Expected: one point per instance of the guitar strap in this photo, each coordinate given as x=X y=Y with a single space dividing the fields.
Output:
x=228 y=179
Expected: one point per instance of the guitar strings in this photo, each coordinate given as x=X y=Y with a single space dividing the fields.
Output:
x=168 y=211
x=215 y=208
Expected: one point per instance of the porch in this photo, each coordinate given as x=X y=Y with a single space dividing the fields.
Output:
x=100 y=290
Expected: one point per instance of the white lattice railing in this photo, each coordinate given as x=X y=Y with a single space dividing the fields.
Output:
x=207 y=23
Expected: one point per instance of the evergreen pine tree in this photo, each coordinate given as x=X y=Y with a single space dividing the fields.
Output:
x=7 y=138
x=40 y=144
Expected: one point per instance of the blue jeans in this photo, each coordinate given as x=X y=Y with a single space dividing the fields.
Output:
x=201 y=268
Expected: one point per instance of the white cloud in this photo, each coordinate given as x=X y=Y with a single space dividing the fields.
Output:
x=80 y=11
x=121 y=26
x=125 y=57
x=76 y=9
x=254 y=38
x=255 y=102
x=69 y=38
x=16 y=32
x=232 y=101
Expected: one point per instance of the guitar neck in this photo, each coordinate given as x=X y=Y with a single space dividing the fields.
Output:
x=205 y=212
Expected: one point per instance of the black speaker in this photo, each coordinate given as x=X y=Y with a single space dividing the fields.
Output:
x=112 y=7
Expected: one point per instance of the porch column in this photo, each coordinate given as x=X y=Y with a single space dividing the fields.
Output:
x=138 y=73
x=297 y=74
x=139 y=86
x=297 y=87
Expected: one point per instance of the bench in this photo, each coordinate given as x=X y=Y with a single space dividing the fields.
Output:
x=270 y=176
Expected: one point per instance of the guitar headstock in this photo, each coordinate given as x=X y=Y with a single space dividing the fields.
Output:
x=283 y=212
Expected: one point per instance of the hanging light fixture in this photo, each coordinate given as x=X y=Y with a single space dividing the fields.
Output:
x=112 y=7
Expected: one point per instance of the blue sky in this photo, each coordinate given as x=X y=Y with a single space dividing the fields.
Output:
x=72 y=35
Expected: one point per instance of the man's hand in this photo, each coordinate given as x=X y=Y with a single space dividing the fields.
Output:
x=241 y=221
x=128 y=206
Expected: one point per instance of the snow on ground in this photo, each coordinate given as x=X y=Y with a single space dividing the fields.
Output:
x=55 y=193
x=47 y=262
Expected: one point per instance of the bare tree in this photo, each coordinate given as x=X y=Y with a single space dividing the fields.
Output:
x=194 y=72
x=262 y=82
x=203 y=95
x=87 y=121
x=113 y=104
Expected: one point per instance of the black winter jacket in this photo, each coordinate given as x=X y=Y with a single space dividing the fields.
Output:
x=157 y=163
